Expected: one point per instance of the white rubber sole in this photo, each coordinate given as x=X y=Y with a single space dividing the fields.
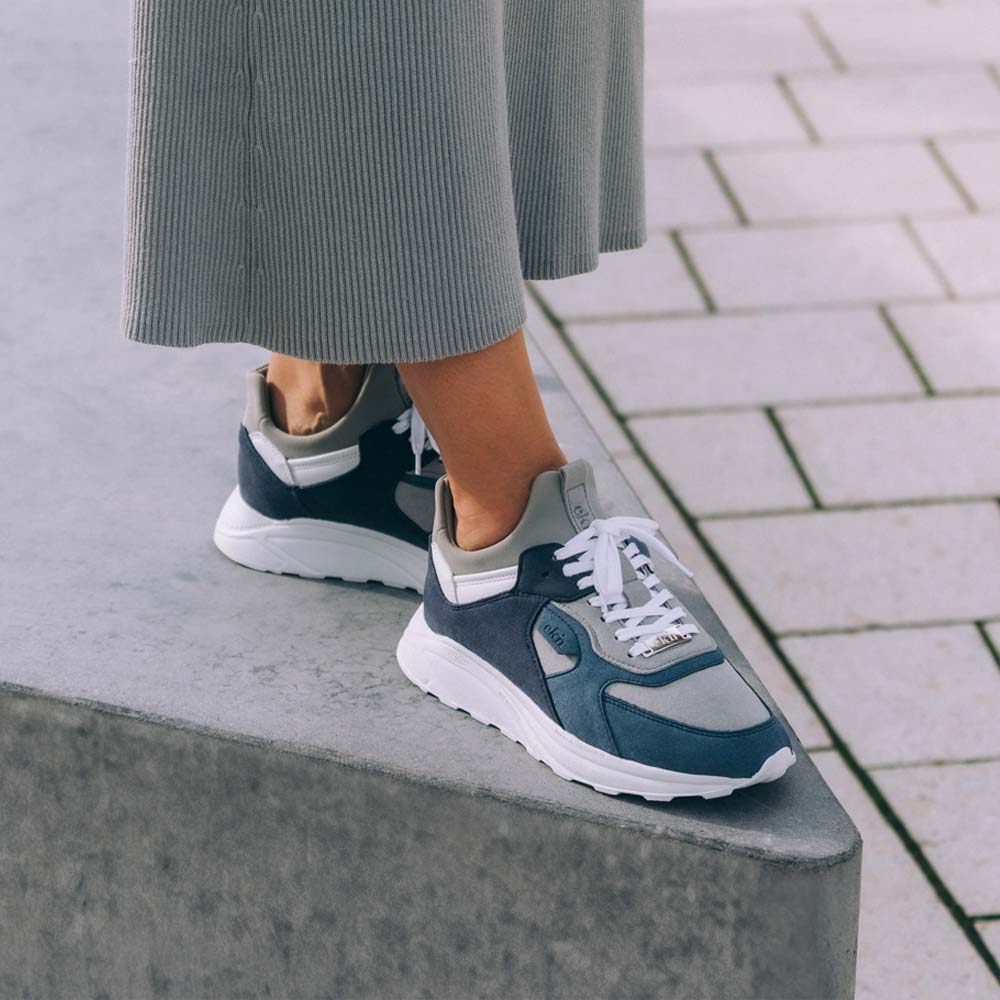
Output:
x=461 y=679
x=316 y=549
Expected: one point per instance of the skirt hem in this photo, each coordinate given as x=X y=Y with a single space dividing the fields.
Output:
x=441 y=345
x=567 y=267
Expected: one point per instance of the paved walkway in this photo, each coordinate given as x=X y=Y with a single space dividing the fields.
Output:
x=800 y=373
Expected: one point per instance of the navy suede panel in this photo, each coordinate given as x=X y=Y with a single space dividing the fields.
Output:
x=659 y=742
x=364 y=497
x=539 y=572
x=578 y=694
x=499 y=628
x=261 y=488
x=423 y=482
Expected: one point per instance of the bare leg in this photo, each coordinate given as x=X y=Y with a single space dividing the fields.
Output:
x=307 y=396
x=486 y=415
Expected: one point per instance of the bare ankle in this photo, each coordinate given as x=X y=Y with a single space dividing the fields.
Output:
x=307 y=396
x=484 y=516
x=476 y=527
x=298 y=415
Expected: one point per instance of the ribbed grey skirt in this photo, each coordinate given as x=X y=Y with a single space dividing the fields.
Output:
x=370 y=180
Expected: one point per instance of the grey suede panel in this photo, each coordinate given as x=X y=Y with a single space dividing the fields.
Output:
x=636 y=592
x=380 y=398
x=553 y=662
x=602 y=637
x=716 y=698
x=417 y=503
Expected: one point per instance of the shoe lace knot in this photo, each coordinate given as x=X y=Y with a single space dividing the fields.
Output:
x=594 y=555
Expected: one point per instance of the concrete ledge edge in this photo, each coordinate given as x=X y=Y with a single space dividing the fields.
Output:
x=801 y=861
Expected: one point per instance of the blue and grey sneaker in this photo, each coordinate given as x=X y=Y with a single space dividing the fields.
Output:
x=354 y=501
x=565 y=638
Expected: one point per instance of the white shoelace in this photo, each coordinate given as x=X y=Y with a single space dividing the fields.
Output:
x=596 y=551
x=420 y=437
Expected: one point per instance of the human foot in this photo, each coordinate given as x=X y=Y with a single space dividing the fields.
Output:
x=563 y=636
x=353 y=501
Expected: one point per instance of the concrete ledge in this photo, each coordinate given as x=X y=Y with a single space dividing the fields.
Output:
x=153 y=861
x=218 y=783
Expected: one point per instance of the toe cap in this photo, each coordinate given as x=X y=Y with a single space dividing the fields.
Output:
x=651 y=739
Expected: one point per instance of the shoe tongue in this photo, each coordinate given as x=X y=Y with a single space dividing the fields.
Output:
x=580 y=507
x=579 y=493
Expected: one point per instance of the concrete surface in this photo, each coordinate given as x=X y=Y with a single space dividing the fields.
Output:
x=156 y=861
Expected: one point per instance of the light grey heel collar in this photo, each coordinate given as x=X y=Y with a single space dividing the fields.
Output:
x=380 y=398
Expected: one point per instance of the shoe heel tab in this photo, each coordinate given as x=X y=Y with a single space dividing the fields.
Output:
x=258 y=402
x=444 y=514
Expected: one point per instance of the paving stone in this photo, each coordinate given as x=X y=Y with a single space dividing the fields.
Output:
x=850 y=106
x=905 y=695
x=923 y=36
x=846 y=569
x=993 y=631
x=687 y=5
x=976 y=162
x=966 y=250
x=990 y=931
x=956 y=344
x=879 y=452
x=718 y=113
x=767 y=666
x=722 y=462
x=650 y=280
x=839 y=182
x=772 y=672
x=730 y=43
x=544 y=339
x=746 y=360
x=909 y=948
x=681 y=191
x=953 y=810
x=811 y=265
